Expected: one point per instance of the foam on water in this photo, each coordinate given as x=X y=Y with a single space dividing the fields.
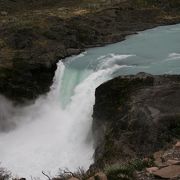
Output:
x=55 y=131
x=51 y=135
x=173 y=56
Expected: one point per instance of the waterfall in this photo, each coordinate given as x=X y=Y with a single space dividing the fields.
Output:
x=55 y=131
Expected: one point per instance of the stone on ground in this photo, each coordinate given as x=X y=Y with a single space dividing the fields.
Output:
x=177 y=146
x=152 y=169
x=168 y=172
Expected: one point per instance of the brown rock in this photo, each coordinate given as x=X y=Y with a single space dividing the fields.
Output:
x=158 y=158
x=91 y=178
x=73 y=178
x=168 y=172
x=143 y=113
x=152 y=169
x=177 y=146
x=100 y=176
x=173 y=162
x=158 y=154
x=73 y=51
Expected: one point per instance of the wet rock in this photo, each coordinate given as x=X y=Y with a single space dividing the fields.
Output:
x=71 y=51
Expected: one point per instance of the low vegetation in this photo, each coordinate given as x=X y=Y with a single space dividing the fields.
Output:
x=79 y=174
x=126 y=171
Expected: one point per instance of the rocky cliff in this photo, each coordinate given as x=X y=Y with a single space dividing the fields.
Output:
x=135 y=116
x=34 y=35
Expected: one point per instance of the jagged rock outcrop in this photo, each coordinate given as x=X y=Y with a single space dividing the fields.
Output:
x=135 y=116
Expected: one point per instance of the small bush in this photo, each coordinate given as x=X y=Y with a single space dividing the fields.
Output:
x=80 y=174
x=126 y=171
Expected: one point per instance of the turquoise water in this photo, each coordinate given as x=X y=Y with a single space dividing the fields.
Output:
x=55 y=131
x=155 y=51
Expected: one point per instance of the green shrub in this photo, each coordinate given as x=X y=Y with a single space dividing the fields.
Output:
x=126 y=171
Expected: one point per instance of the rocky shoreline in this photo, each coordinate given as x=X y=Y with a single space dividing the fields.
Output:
x=134 y=117
x=136 y=127
x=33 y=40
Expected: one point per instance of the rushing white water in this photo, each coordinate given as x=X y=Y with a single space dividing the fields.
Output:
x=55 y=131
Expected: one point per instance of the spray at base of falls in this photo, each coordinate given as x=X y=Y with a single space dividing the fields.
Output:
x=52 y=135
x=55 y=132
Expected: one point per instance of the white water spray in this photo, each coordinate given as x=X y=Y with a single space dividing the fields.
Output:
x=55 y=132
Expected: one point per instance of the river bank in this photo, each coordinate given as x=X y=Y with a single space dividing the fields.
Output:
x=134 y=116
x=136 y=127
x=34 y=39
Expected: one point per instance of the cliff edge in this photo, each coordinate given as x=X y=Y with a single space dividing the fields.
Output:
x=135 y=116
x=34 y=35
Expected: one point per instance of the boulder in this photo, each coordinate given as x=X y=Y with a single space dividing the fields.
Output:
x=135 y=116
x=152 y=169
x=177 y=146
x=100 y=176
x=168 y=172
x=73 y=178
x=158 y=158
x=91 y=178
x=173 y=162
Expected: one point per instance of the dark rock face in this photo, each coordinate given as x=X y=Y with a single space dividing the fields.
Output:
x=24 y=83
x=135 y=116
